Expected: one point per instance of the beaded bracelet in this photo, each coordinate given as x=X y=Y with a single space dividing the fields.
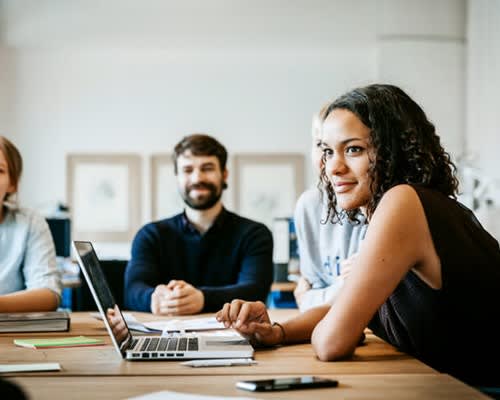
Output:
x=282 y=330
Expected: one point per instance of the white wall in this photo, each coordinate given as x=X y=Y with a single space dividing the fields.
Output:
x=91 y=76
x=421 y=48
x=6 y=103
x=98 y=101
x=483 y=84
x=483 y=88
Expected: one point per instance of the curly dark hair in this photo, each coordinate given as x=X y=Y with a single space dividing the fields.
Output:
x=405 y=144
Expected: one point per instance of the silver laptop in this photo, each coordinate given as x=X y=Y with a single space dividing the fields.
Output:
x=175 y=346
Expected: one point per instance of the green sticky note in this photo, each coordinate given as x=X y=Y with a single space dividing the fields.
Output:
x=58 y=342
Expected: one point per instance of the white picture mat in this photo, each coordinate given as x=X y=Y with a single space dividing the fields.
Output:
x=101 y=197
x=268 y=192
x=281 y=239
x=168 y=199
x=104 y=196
x=267 y=186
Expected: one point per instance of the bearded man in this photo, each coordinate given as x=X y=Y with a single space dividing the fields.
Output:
x=205 y=256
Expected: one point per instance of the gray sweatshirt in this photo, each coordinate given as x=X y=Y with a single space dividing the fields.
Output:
x=322 y=247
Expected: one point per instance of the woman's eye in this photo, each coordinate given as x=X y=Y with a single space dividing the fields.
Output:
x=354 y=149
x=327 y=153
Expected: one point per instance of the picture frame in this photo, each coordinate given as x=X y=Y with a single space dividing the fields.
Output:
x=267 y=186
x=104 y=196
x=165 y=198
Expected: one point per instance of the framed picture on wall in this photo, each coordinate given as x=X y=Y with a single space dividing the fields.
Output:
x=104 y=195
x=165 y=198
x=267 y=186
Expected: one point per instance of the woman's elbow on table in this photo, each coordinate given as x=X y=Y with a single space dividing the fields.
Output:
x=330 y=349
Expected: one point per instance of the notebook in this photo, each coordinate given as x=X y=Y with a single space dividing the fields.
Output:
x=44 y=321
x=174 y=346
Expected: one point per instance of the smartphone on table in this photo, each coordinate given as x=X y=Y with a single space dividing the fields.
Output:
x=298 y=383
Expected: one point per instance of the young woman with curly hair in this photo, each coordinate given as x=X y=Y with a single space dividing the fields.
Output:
x=427 y=275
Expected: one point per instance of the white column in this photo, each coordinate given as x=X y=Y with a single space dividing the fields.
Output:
x=483 y=91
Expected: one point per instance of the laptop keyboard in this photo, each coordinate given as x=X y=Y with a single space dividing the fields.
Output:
x=168 y=344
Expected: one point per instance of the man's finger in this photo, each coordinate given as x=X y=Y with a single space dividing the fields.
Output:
x=235 y=310
x=182 y=291
x=175 y=302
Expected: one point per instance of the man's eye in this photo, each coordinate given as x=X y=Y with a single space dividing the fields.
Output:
x=318 y=143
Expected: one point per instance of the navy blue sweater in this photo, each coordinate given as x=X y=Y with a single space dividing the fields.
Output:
x=232 y=260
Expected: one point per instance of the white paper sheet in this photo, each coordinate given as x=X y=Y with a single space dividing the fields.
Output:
x=30 y=367
x=176 y=325
x=132 y=323
x=168 y=395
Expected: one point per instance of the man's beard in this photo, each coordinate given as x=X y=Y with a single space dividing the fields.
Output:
x=202 y=202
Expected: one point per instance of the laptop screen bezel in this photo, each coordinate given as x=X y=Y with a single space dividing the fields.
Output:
x=126 y=342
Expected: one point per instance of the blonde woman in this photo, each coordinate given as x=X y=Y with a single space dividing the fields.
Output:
x=29 y=280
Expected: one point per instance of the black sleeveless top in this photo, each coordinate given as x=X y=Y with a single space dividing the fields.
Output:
x=456 y=329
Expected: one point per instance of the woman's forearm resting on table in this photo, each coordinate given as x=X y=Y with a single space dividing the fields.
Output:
x=300 y=328
x=42 y=299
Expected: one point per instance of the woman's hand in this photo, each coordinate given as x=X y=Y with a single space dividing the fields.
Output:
x=302 y=287
x=252 y=321
x=346 y=265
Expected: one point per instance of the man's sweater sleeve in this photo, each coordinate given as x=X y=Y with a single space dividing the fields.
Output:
x=142 y=272
x=256 y=273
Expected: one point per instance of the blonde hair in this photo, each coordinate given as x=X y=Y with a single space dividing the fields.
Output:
x=316 y=126
x=14 y=168
x=317 y=121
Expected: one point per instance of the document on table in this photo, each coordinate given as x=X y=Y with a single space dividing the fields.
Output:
x=5 y=368
x=176 y=325
x=132 y=323
x=169 y=395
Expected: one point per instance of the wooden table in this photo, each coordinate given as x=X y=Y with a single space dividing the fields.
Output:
x=283 y=286
x=376 y=370
x=375 y=356
x=382 y=387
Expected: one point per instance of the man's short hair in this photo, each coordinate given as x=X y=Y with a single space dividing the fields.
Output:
x=200 y=144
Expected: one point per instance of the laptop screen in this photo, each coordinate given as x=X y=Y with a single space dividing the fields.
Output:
x=113 y=318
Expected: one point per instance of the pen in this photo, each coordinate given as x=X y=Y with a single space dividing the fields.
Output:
x=219 y=362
